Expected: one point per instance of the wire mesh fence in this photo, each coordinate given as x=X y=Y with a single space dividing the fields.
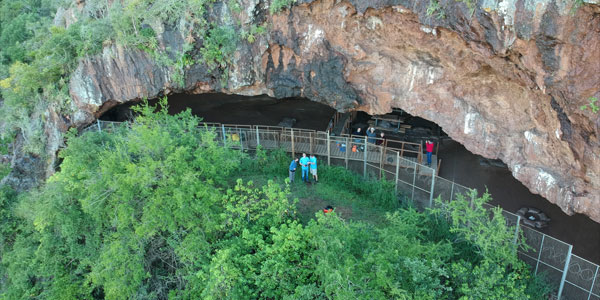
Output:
x=572 y=277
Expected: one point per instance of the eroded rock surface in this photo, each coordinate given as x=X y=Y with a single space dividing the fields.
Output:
x=506 y=80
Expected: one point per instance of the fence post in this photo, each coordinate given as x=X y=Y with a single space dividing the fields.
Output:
x=565 y=270
x=412 y=197
x=472 y=198
x=98 y=124
x=382 y=152
x=241 y=140
x=452 y=192
x=397 y=170
x=293 y=148
x=310 y=141
x=432 y=187
x=593 y=282
x=517 y=230
x=365 y=159
x=328 y=150
x=257 y=137
x=224 y=138
x=347 y=150
x=540 y=254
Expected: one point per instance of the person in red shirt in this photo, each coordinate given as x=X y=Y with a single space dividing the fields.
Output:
x=381 y=140
x=429 y=150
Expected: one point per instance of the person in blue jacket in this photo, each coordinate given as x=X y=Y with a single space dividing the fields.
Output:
x=293 y=166
x=371 y=135
x=304 y=162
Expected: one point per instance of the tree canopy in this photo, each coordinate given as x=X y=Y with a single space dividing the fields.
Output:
x=157 y=209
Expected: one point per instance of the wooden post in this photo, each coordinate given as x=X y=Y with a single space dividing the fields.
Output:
x=365 y=159
x=402 y=150
x=328 y=150
x=347 y=150
x=293 y=149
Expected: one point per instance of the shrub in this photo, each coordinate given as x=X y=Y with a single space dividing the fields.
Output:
x=278 y=5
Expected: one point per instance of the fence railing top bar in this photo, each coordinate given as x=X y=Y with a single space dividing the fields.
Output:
x=404 y=151
x=586 y=290
x=587 y=261
x=237 y=126
x=388 y=139
x=557 y=240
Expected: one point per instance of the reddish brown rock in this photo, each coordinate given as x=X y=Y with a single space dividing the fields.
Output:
x=506 y=81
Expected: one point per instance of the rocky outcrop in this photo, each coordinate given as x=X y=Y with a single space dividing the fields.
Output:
x=506 y=80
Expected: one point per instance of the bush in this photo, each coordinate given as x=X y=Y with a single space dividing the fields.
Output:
x=278 y=5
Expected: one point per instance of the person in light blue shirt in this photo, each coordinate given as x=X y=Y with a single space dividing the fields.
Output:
x=313 y=167
x=293 y=166
x=304 y=162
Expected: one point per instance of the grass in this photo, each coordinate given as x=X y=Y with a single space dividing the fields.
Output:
x=352 y=197
x=348 y=205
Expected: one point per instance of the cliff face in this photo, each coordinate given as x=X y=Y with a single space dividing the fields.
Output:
x=506 y=80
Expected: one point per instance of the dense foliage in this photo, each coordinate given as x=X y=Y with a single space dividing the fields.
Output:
x=42 y=41
x=159 y=210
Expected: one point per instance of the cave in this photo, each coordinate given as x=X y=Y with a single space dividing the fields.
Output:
x=452 y=160
x=238 y=109
x=507 y=90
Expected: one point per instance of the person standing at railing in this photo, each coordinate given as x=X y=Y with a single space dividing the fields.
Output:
x=371 y=135
x=313 y=167
x=381 y=140
x=293 y=166
x=429 y=150
x=357 y=139
x=304 y=162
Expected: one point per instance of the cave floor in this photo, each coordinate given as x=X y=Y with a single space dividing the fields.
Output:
x=463 y=167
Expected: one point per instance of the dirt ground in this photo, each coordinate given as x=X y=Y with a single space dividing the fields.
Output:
x=463 y=167
x=308 y=206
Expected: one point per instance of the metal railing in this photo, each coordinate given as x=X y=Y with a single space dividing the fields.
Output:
x=571 y=276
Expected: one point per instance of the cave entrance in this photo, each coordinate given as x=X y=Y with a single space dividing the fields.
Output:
x=241 y=110
x=401 y=131
x=455 y=163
